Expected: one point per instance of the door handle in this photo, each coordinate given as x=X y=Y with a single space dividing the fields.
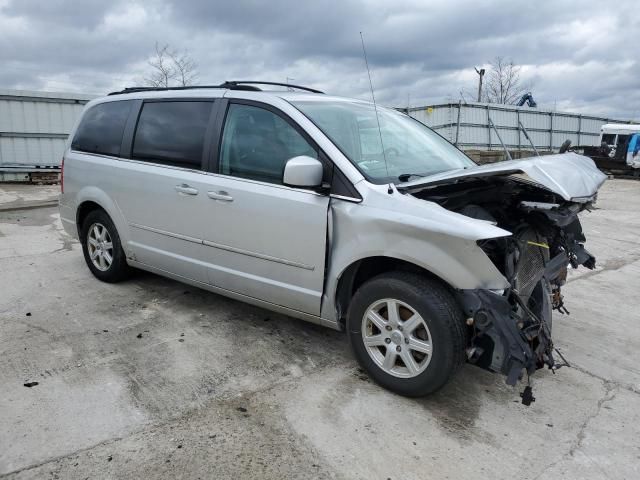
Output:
x=221 y=195
x=186 y=189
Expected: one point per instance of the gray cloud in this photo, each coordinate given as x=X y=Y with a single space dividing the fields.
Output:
x=578 y=55
x=88 y=13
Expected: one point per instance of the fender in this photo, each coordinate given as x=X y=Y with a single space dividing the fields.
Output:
x=454 y=258
x=98 y=196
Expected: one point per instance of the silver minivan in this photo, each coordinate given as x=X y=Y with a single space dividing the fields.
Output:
x=334 y=211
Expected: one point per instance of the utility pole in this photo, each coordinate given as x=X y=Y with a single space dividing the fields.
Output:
x=481 y=74
x=287 y=82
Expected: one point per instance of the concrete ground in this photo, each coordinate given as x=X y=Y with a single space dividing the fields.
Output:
x=153 y=379
x=24 y=196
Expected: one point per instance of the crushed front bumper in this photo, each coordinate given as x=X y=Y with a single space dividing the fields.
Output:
x=499 y=344
x=508 y=337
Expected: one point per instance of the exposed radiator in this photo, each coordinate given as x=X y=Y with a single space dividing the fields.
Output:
x=534 y=255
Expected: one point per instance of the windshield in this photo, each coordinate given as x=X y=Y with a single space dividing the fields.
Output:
x=411 y=149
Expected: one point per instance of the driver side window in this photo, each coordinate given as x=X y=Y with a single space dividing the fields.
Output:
x=256 y=144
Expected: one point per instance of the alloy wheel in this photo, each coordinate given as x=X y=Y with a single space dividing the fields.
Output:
x=100 y=247
x=396 y=338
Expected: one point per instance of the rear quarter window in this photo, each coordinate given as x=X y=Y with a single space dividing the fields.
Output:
x=101 y=128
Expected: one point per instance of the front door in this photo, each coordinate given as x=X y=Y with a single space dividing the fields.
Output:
x=262 y=238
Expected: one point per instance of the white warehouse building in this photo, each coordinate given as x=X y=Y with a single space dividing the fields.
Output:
x=33 y=129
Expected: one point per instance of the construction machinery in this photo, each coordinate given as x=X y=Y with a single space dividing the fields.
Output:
x=528 y=99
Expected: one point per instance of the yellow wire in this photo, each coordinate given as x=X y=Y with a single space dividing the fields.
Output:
x=543 y=245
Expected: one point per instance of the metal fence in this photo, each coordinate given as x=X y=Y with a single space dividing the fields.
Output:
x=34 y=127
x=469 y=126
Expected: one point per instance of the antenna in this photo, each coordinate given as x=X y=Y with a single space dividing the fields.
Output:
x=375 y=107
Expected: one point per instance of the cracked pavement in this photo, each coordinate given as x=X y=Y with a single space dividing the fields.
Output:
x=154 y=379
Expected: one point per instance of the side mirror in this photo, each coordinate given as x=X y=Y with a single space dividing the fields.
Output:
x=302 y=171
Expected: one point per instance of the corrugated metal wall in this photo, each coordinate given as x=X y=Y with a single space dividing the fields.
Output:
x=468 y=124
x=34 y=127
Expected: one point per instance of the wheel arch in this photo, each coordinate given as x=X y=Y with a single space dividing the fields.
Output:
x=92 y=198
x=84 y=209
x=363 y=269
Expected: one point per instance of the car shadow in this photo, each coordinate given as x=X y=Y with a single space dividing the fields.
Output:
x=456 y=407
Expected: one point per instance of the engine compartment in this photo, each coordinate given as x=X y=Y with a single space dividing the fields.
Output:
x=510 y=331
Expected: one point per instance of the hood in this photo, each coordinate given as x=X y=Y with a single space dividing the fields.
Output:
x=573 y=177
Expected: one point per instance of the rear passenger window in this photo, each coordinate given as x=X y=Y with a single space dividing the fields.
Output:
x=172 y=133
x=257 y=143
x=101 y=128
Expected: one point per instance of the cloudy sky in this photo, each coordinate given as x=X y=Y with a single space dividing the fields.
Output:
x=577 y=55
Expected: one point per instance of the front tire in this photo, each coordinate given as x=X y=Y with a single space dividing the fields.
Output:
x=102 y=248
x=407 y=332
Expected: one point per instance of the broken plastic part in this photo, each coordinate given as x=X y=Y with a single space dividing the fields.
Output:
x=527 y=396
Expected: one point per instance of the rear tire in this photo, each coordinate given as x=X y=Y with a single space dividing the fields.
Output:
x=102 y=248
x=415 y=351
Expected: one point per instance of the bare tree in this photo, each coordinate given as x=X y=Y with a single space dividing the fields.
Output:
x=170 y=67
x=501 y=84
x=186 y=69
x=162 y=71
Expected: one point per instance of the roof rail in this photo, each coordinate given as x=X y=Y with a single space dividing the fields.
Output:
x=231 y=85
x=161 y=89
x=247 y=84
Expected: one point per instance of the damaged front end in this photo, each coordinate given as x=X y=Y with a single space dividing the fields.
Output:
x=510 y=330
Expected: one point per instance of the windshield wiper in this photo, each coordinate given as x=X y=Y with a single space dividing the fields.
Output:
x=404 y=177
